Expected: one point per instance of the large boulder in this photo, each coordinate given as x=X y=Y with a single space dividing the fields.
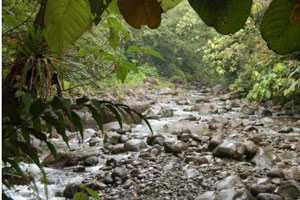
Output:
x=135 y=145
x=230 y=149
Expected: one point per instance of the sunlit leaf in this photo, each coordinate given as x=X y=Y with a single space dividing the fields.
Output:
x=66 y=21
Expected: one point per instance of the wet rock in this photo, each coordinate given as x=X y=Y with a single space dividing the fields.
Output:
x=71 y=189
x=155 y=139
x=235 y=194
x=128 y=183
x=155 y=151
x=210 y=195
x=234 y=123
x=202 y=99
x=229 y=149
x=91 y=161
x=191 y=118
x=63 y=160
x=108 y=179
x=264 y=157
x=204 y=109
x=230 y=96
x=267 y=196
x=118 y=172
x=166 y=113
x=112 y=138
x=134 y=173
x=289 y=190
x=168 y=91
x=175 y=146
x=118 y=148
x=251 y=148
x=192 y=173
x=247 y=110
x=251 y=129
x=261 y=188
x=266 y=113
x=78 y=168
x=218 y=89
x=286 y=130
x=96 y=186
x=124 y=138
x=256 y=138
x=197 y=160
x=214 y=142
x=292 y=173
x=184 y=137
x=229 y=182
x=135 y=145
x=274 y=173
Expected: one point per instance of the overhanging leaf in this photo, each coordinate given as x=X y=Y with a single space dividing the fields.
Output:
x=141 y=12
x=281 y=26
x=226 y=16
x=66 y=21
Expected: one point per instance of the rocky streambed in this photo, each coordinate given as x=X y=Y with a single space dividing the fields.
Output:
x=205 y=146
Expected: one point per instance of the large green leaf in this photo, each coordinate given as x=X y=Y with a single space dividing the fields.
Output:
x=66 y=21
x=281 y=26
x=226 y=16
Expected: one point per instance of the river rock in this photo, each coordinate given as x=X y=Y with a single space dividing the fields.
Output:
x=230 y=96
x=218 y=89
x=275 y=173
x=210 y=195
x=192 y=173
x=119 y=172
x=214 y=142
x=155 y=139
x=166 y=113
x=261 y=188
x=135 y=145
x=168 y=91
x=230 y=149
x=247 y=110
x=289 y=190
x=184 y=137
x=266 y=113
x=264 y=157
x=267 y=196
x=93 y=160
x=71 y=189
x=251 y=148
x=112 y=138
x=286 y=130
x=197 y=160
x=118 y=148
x=204 y=109
x=175 y=146
x=202 y=99
x=292 y=173
x=229 y=182
x=235 y=194
x=63 y=160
